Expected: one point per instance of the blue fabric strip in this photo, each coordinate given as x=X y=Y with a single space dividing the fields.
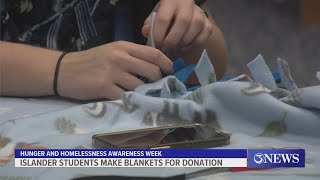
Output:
x=184 y=74
x=276 y=76
x=178 y=65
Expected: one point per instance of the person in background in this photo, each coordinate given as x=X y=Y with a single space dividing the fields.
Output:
x=36 y=33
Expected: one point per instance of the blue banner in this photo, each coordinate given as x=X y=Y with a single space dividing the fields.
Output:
x=167 y=153
x=276 y=158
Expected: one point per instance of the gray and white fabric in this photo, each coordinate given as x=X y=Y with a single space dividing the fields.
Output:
x=250 y=111
x=285 y=75
x=261 y=73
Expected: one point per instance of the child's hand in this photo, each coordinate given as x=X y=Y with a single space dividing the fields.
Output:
x=107 y=71
x=180 y=25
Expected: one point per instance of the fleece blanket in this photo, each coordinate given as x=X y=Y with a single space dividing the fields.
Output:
x=256 y=111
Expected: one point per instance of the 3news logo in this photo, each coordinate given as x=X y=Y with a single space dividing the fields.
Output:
x=273 y=158
x=260 y=158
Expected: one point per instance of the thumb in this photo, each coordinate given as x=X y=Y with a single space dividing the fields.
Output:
x=146 y=27
x=145 y=30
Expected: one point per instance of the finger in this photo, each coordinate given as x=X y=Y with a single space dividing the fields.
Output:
x=143 y=68
x=204 y=35
x=179 y=28
x=146 y=27
x=146 y=30
x=114 y=92
x=127 y=81
x=186 y=48
x=196 y=26
x=151 y=55
x=164 y=17
x=201 y=38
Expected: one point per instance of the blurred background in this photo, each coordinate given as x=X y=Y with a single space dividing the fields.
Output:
x=289 y=29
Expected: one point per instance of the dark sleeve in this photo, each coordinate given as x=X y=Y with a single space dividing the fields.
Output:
x=142 y=10
x=7 y=27
x=3 y=12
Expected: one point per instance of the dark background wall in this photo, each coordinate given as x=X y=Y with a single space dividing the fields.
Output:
x=272 y=29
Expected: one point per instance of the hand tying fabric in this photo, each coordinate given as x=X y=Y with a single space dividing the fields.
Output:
x=109 y=70
x=96 y=65
x=180 y=23
x=184 y=29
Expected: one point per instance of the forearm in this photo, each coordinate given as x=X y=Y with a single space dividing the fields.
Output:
x=26 y=70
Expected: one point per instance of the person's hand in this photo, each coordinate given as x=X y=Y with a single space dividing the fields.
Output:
x=107 y=71
x=179 y=24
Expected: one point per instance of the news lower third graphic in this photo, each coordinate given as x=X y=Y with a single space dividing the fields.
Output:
x=251 y=158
